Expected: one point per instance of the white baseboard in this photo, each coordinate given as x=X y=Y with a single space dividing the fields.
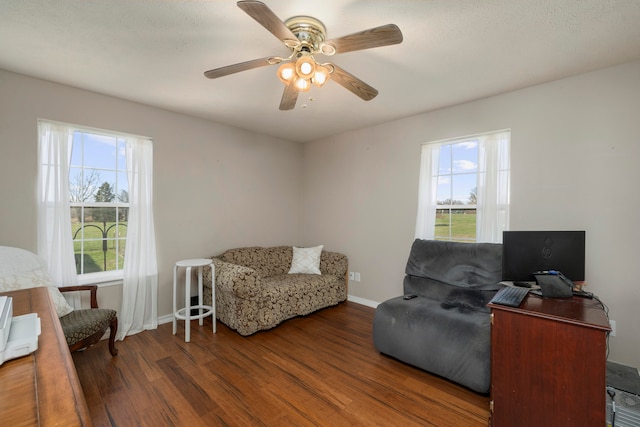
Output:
x=167 y=318
x=363 y=301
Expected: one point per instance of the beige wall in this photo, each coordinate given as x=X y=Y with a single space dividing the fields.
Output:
x=575 y=154
x=575 y=148
x=215 y=187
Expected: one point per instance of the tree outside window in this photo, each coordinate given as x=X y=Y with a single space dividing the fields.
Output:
x=98 y=191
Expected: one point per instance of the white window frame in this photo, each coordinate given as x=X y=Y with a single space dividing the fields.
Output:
x=493 y=185
x=108 y=276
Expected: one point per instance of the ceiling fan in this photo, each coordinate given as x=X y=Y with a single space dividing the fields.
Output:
x=305 y=37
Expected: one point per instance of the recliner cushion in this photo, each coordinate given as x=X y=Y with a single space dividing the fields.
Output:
x=465 y=300
x=471 y=265
x=442 y=341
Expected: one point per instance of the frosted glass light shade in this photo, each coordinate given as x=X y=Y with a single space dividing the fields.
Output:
x=305 y=67
x=287 y=72
x=302 y=84
x=321 y=76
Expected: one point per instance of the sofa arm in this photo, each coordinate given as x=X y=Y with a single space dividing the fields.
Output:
x=241 y=281
x=334 y=263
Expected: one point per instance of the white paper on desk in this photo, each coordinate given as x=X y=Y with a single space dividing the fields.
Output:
x=23 y=337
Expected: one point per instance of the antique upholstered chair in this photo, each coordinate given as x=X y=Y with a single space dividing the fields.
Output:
x=85 y=327
x=21 y=269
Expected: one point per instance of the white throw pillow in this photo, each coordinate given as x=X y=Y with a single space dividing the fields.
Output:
x=22 y=269
x=306 y=260
x=33 y=279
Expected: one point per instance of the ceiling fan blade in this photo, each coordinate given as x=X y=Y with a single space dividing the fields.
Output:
x=353 y=84
x=242 y=66
x=374 y=37
x=289 y=98
x=269 y=20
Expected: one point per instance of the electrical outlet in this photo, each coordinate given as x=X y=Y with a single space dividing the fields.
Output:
x=613 y=328
x=352 y=276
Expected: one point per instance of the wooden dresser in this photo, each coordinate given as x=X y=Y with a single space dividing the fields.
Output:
x=41 y=389
x=548 y=363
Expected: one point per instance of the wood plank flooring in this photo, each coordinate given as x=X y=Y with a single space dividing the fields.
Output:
x=317 y=370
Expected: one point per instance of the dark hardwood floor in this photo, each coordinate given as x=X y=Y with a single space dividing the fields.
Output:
x=320 y=369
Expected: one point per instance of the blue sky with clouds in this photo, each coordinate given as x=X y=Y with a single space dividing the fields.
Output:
x=100 y=153
x=457 y=167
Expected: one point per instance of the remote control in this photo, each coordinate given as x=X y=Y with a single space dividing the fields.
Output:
x=410 y=296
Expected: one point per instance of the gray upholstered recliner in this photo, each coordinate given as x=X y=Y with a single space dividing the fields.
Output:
x=446 y=330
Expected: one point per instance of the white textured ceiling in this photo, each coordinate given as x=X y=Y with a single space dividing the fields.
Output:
x=155 y=52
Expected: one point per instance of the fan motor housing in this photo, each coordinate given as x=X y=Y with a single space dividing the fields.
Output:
x=309 y=31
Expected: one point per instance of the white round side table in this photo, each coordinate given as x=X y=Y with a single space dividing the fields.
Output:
x=203 y=310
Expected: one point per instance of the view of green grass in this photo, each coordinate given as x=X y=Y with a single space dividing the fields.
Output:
x=94 y=250
x=462 y=226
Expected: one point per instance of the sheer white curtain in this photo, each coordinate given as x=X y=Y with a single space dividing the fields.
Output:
x=140 y=284
x=427 y=193
x=493 y=186
x=55 y=244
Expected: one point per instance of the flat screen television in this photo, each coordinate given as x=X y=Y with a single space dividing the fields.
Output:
x=525 y=252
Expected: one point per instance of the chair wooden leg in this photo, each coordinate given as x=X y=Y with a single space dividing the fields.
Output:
x=112 y=337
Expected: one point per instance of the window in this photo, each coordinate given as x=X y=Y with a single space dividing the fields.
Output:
x=95 y=215
x=464 y=189
x=99 y=201
x=456 y=192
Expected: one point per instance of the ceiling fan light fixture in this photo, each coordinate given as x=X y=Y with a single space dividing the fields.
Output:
x=302 y=85
x=321 y=76
x=287 y=72
x=306 y=66
x=305 y=37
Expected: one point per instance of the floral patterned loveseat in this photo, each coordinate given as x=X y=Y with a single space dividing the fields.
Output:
x=254 y=291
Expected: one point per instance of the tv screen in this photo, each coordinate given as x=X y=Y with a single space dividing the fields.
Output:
x=525 y=252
